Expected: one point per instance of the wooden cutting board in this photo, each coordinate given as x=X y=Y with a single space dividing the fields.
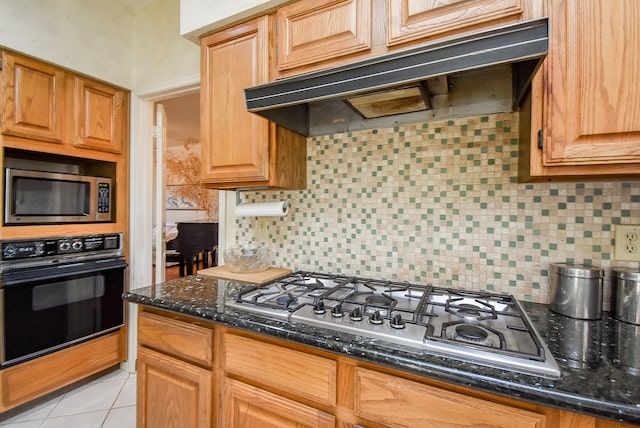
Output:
x=223 y=272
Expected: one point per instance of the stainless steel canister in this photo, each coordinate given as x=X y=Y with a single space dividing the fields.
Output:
x=576 y=290
x=625 y=304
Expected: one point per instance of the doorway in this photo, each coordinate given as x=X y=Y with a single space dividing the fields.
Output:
x=179 y=199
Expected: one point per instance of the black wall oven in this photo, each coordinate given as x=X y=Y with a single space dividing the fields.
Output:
x=56 y=292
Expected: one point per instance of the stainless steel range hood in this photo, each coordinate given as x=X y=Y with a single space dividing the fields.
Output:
x=290 y=102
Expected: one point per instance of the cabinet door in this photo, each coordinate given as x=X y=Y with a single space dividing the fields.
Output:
x=235 y=143
x=400 y=403
x=101 y=116
x=172 y=393
x=410 y=20
x=248 y=406
x=33 y=95
x=592 y=97
x=311 y=31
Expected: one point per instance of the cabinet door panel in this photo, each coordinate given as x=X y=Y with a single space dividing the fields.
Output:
x=33 y=95
x=290 y=371
x=186 y=341
x=246 y=406
x=414 y=19
x=172 y=393
x=100 y=112
x=592 y=102
x=401 y=403
x=235 y=143
x=311 y=31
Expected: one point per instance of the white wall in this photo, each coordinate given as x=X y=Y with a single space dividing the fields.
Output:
x=89 y=36
x=161 y=54
x=198 y=17
x=132 y=48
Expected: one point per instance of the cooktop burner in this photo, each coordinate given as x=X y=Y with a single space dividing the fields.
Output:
x=484 y=328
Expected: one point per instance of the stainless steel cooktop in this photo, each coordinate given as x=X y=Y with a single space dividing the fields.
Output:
x=484 y=328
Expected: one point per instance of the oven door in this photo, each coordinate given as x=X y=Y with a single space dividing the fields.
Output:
x=48 y=308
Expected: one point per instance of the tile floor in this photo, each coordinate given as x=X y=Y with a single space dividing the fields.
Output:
x=107 y=401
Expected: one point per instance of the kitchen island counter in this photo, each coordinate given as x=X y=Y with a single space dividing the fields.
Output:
x=602 y=389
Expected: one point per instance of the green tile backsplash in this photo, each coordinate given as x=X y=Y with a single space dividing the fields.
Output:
x=440 y=203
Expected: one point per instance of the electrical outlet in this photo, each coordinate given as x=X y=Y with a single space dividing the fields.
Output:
x=627 y=243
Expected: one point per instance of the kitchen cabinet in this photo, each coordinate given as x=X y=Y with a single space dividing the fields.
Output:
x=313 y=35
x=39 y=111
x=101 y=116
x=585 y=115
x=411 y=20
x=46 y=103
x=241 y=149
x=174 y=373
x=33 y=98
x=262 y=381
x=312 y=31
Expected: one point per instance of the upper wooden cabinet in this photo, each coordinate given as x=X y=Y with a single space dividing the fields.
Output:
x=586 y=103
x=101 y=114
x=410 y=20
x=241 y=149
x=45 y=103
x=313 y=35
x=33 y=98
x=311 y=31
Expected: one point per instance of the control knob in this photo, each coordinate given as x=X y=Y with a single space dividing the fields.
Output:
x=77 y=245
x=319 y=309
x=10 y=251
x=336 y=311
x=376 y=318
x=397 y=322
x=64 y=246
x=356 y=314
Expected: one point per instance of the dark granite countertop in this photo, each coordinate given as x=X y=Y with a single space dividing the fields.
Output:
x=593 y=382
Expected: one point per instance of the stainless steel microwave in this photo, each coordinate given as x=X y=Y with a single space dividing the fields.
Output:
x=39 y=197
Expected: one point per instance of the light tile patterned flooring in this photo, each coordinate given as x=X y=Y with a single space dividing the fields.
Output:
x=107 y=401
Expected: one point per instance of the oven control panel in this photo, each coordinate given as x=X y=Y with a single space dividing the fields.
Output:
x=53 y=247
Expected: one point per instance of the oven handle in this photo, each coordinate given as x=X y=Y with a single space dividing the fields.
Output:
x=19 y=277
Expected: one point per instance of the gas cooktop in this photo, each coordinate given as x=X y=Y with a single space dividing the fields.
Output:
x=479 y=327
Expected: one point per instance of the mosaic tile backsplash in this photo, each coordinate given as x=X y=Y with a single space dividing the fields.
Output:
x=439 y=203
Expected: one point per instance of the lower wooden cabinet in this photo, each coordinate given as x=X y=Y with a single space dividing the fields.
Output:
x=247 y=406
x=255 y=381
x=172 y=393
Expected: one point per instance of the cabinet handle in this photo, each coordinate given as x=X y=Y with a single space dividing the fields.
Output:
x=540 y=139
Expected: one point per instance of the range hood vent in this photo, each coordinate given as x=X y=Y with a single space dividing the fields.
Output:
x=287 y=101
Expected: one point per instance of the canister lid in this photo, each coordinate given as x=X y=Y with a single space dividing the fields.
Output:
x=577 y=270
x=627 y=274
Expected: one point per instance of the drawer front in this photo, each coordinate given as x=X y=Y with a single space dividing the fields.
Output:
x=180 y=339
x=248 y=406
x=398 y=402
x=285 y=369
